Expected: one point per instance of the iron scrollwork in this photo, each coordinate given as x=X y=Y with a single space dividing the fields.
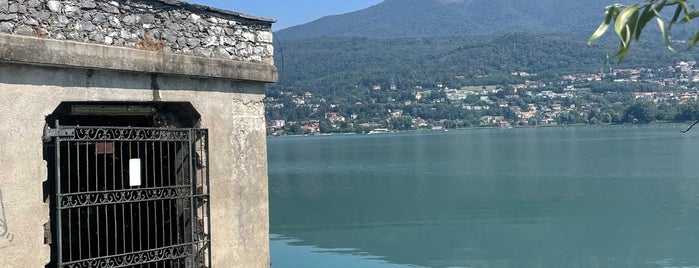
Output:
x=129 y=134
x=115 y=197
x=127 y=260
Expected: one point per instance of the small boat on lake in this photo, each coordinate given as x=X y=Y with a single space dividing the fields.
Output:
x=380 y=131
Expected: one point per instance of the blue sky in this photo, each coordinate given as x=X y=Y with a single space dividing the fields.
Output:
x=289 y=12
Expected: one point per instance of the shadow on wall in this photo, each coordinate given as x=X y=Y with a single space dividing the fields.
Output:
x=18 y=74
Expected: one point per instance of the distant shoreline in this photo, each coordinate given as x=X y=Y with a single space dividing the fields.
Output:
x=680 y=126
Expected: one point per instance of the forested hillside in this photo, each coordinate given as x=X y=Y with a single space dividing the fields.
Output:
x=461 y=42
x=340 y=64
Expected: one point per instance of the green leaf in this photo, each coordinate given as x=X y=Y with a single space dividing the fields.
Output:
x=631 y=26
x=623 y=19
x=611 y=12
x=657 y=7
x=623 y=51
x=686 y=7
x=664 y=32
x=694 y=41
x=625 y=24
x=598 y=33
x=692 y=15
x=648 y=14
x=675 y=17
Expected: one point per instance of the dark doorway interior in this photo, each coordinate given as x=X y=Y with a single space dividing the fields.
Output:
x=126 y=114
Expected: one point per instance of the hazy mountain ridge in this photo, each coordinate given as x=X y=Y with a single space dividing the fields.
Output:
x=433 y=18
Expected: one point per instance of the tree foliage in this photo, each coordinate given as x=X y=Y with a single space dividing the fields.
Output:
x=629 y=21
x=346 y=67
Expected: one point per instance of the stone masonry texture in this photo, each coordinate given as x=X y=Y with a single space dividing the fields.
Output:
x=158 y=25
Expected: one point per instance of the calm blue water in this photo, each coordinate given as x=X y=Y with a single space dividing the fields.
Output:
x=546 y=197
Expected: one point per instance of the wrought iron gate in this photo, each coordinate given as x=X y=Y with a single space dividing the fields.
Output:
x=131 y=197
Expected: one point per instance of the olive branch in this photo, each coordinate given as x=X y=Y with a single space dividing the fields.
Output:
x=630 y=20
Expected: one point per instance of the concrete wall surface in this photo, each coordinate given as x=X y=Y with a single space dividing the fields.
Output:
x=54 y=51
x=232 y=111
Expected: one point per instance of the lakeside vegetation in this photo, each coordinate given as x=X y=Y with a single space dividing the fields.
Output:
x=423 y=83
x=571 y=100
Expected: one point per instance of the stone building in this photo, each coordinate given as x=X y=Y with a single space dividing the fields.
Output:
x=132 y=133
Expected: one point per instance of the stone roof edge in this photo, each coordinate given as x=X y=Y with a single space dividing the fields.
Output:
x=70 y=54
x=216 y=10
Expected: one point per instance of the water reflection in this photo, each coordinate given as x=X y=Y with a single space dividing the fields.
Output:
x=293 y=253
x=523 y=198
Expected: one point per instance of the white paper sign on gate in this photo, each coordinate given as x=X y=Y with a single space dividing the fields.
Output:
x=135 y=172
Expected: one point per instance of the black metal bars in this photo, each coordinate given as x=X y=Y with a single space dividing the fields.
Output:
x=131 y=197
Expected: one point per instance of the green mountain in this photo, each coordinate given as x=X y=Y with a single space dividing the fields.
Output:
x=341 y=65
x=429 y=18
x=411 y=43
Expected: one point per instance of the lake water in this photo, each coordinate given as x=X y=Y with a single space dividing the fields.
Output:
x=539 y=197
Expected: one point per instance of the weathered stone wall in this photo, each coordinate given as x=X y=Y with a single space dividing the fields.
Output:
x=136 y=51
x=232 y=111
x=157 y=25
